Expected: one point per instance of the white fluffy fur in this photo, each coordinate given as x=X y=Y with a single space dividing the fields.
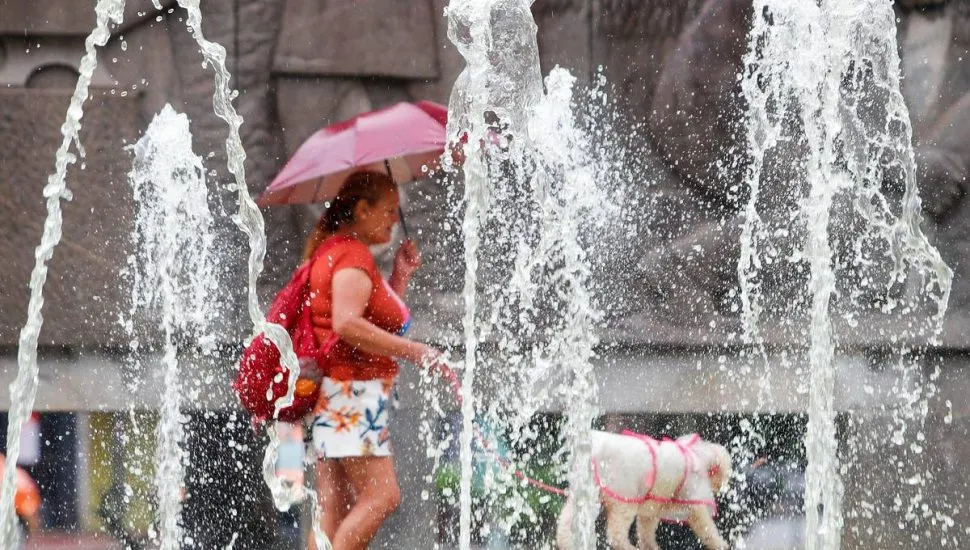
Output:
x=623 y=463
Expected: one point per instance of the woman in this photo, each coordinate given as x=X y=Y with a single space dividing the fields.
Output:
x=353 y=305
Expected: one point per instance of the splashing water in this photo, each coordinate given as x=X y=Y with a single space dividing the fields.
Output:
x=173 y=276
x=532 y=181
x=251 y=222
x=567 y=189
x=529 y=190
x=249 y=219
x=848 y=153
x=476 y=180
x=23 y=390
x=469 y=28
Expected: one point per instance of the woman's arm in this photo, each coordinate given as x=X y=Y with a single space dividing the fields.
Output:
x=351 y=292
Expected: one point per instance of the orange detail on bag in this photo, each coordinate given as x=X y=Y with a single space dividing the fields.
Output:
x=305 y=387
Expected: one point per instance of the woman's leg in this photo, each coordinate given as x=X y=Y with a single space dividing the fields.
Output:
x=377 y=495
x=335 y=495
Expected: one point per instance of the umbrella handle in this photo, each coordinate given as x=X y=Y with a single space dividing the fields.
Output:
x=400 y=211
x=404 y=226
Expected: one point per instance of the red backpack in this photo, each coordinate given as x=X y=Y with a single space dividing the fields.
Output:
x=262 y=379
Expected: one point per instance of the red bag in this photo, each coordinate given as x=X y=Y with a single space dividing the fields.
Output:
x=262 y=379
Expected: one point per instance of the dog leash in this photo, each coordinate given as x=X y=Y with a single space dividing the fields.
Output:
x=519 y=474
x=506 y=464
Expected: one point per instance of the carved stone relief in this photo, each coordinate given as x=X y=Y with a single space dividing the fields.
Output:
x=381 y=37
x=25 y=58
x=450 y=62
x=301 y=65
x=694 y=120
x=631 y=41
x=55 y=18
x=83 y=291
x=564 y=36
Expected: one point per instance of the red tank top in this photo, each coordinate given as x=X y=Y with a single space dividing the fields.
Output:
x=384 y=309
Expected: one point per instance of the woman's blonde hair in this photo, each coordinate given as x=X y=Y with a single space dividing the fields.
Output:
x=367 y=185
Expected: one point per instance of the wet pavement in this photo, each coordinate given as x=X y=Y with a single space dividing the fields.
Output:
x=71 y=541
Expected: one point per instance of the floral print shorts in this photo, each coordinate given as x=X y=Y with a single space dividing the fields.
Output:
x=352 y=419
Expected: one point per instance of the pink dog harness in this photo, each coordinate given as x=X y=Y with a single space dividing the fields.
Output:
x=651 y=477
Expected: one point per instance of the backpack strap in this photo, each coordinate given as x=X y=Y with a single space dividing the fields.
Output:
x=327 y=244
x=288 y=297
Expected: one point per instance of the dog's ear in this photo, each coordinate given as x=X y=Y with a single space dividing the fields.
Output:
x=719 y=468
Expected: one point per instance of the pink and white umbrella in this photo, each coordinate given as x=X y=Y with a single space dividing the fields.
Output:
x=406 y=140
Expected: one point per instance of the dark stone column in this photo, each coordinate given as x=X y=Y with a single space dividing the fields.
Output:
x=226 y=495
x=56 y=473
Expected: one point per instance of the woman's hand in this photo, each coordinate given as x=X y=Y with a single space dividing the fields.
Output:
x=422 y=355
x=435 y=362
x=407 y=260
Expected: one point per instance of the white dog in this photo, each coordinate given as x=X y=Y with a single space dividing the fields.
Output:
x=646 y=480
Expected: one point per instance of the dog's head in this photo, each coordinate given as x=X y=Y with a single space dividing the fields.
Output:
x=713 y=457
x=718 y=462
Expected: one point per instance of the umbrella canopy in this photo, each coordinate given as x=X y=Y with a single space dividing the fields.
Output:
x=405 y=140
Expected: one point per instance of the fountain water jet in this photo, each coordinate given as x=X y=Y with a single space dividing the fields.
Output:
x=23 y=390
x=847 y=153
x=470 y=29
x=534 y=189
x=251 y=222
x=173 y=278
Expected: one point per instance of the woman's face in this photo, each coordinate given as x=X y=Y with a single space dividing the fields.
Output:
x=374 y=223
